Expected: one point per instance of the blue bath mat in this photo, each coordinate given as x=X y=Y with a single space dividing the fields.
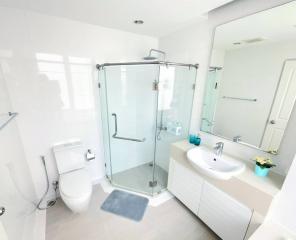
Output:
x=126 y=205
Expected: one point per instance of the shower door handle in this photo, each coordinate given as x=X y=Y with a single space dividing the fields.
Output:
x=124 y=138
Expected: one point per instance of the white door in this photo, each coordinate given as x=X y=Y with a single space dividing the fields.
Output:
x=281 y=109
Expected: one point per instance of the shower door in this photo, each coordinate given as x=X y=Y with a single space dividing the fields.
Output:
x=129 y=115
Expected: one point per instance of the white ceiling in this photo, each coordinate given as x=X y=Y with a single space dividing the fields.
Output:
x=160 y=16
x=273 y=25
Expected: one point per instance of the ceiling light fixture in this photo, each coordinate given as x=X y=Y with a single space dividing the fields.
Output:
x=138 y=22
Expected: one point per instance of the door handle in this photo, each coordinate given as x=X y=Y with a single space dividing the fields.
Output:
x=2 y=210
x=272 y=122
x=124 y=138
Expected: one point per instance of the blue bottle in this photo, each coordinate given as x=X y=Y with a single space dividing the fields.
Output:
x=197 y=140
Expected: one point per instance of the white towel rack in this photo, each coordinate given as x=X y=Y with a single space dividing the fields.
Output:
x=243 y=99
x=10 y=116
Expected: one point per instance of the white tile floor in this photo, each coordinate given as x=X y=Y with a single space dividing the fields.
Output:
x=171 y=220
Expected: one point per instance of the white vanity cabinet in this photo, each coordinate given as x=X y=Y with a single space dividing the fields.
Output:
x=228 y=218
x=185 y=184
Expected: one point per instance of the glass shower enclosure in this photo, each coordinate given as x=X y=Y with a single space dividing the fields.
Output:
x=145 y=106
x=210 y=99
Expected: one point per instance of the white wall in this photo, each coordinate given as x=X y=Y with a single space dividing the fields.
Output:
x=258 y=70
x=285 y=208
x=49 y=68
x=217 y=58
x=193 y=44
x=17 y=192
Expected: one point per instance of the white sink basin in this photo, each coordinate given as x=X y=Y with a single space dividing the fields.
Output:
x=208 y=163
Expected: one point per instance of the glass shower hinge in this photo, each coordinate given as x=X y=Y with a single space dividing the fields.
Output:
x=152 y=183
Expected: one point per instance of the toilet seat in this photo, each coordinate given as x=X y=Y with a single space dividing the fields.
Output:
x=76 y=184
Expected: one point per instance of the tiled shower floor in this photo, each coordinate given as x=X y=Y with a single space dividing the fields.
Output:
x=138 y=178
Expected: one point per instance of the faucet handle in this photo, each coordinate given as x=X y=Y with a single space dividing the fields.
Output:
x=220 y=144
x=237 y=138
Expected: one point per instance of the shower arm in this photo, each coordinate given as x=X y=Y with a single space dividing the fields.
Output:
x=124 y=138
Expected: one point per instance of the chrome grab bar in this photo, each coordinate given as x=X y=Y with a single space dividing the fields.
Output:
x=124 y=138
x=10 y=116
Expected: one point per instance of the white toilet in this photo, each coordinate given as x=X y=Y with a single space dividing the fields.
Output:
x=74 y=181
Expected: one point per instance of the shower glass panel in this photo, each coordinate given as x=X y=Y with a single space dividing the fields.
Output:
x=145 y=108
x=176 y=90
x=210 y=100
x=131 y=111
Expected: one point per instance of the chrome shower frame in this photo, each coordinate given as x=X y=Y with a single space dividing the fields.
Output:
x=101 y=66
x=166 y=64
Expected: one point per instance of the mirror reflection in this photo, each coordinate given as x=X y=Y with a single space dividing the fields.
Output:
x=251 y=84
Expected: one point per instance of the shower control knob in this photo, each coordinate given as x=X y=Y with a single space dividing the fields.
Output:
x=2 y=210
x=272 y=122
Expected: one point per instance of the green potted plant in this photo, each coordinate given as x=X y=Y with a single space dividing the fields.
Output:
x=263 y=165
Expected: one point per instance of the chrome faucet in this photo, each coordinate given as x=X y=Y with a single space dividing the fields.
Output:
x=219 y=148
x=237 y=138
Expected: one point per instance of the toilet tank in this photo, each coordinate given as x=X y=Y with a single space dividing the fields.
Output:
x=69 y=155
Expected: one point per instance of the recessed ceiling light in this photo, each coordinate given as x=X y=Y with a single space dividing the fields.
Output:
x=138 y=22
x=236 y=43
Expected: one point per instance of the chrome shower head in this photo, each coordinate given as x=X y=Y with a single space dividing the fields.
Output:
x=150 y=57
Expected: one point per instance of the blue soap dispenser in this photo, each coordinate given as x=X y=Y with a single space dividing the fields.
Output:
x=194 y=139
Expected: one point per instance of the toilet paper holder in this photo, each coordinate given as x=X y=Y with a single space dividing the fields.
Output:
x=90 y=155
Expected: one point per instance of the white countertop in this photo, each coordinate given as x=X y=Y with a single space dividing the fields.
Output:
x=255 y=192
x=271 y=184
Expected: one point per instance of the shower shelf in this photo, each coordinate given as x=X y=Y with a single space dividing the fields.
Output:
x=9 y=116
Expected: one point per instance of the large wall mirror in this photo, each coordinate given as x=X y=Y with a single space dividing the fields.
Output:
x=251 y=84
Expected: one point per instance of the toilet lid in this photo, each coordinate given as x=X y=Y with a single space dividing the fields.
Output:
x=75 y=184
